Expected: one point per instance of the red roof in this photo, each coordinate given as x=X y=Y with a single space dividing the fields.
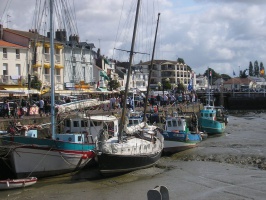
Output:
x=8 y=44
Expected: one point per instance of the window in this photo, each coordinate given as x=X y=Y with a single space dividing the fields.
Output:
x=84 y=70
x=75 y=123
x=5 y=69
x=46 y=49
x=17 y=54
x=46 y=71
x=4 y=53
x=18 y=69
x=57 y=51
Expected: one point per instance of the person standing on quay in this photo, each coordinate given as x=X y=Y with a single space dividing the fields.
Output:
x=41 y=107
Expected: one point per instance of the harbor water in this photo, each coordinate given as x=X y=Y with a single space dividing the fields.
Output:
x=231 y=166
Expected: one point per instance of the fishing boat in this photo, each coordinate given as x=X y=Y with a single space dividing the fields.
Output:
x=177 y=136
x=17 y=183
x=60 y=153
x=208 y=121
x=134 y=147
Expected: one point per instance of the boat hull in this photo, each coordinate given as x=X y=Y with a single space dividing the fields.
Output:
x=113 y=164
x=40 y=162
x=17 y=183
x=45 y=157
x=211 y=126
x=176 y=142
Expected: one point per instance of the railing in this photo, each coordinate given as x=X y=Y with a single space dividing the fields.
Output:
x=57 y=79
x=17 y=56
x=6 y=79
x=57 y=58
x=47 y=57
x=47 y=78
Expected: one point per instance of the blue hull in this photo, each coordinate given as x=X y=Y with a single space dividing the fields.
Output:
x=176 y=142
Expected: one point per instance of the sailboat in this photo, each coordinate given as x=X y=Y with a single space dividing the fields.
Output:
x=134 y=147
x=30 y=155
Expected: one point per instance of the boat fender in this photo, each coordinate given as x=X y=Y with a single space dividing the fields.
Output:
x=187 y=139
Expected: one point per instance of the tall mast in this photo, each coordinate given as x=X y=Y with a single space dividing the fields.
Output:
x=122 y=124
x=52 y=68
x=150 y=71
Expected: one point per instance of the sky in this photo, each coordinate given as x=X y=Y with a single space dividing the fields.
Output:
x=224 y=35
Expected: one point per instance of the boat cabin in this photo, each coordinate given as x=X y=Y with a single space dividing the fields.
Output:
x=175 y=124
x=208 y=112
x=135 y=118
x=91 y=125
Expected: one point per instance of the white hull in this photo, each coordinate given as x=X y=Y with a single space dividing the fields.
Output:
x=176 y=146
x=42 y=162
x=17 y=183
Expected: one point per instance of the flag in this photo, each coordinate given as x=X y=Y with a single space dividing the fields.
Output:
x=190 y=85
x=234 y=73
x=262 y=72
x=210 y=73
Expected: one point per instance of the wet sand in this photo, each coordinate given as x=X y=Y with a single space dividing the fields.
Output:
x=231 y=166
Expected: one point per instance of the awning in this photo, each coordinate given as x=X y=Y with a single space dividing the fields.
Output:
x=59 y=66
x=37 y=65
x=103 y=74
x=46 y=65
x=59 y=46
x=102 y=90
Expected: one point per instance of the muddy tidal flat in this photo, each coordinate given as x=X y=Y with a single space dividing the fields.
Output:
x=231 y=166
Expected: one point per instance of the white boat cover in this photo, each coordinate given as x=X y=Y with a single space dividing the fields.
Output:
x=78 y=105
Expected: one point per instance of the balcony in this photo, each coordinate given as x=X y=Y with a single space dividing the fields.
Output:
x=47 y=78
x=11 y=80
x=47 y=57
x=57 y=58
x=17 y=56
x=57 y=79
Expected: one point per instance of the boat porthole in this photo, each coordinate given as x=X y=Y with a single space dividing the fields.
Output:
x=57 y=138
x=69 y=139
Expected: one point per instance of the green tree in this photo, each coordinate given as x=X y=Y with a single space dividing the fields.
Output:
x=181 y=60
x=181 y=87
x=243 y=74
x=113 y=84
x=251 y=70
x=36 y=83
x=256 y=68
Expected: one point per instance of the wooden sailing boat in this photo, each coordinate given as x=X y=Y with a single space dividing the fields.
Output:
x=134 y=147
x=63 y=153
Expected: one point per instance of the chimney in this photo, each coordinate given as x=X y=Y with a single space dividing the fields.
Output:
x=1 y=31
x=60 y=35
x=48 y=34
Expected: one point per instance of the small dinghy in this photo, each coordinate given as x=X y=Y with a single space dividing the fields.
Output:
x=17 y=183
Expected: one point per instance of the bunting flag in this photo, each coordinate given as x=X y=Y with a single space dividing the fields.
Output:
x=210 y=73
x=262 y=72
x=234 y=73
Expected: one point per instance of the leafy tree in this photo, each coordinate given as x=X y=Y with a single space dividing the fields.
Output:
x=113 y=84
x=36 y=83
x=225 y=76
x=181 y=87
x=256 y=68
x=243 y=74
x=251 y=71
x=181 y=60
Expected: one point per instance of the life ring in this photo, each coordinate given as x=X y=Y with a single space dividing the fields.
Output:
x=175 y=131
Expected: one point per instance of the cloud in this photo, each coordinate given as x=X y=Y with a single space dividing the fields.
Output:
x=222 y=34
